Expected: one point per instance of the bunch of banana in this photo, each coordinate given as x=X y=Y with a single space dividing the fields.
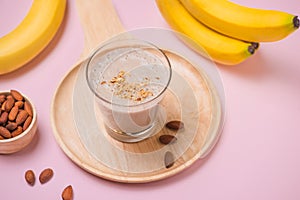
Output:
x=220 y=29
x=32 y=35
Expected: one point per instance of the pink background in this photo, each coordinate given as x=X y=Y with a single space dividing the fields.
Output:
x=257 y=157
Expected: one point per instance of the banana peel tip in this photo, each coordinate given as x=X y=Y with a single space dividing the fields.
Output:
x=296 y=22
x=253 y=47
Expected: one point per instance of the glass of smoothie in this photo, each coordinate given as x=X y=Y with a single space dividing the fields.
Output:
x=129 y=78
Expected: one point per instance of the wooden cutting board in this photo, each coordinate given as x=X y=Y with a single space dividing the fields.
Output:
x=99 y=22
x=124 y=162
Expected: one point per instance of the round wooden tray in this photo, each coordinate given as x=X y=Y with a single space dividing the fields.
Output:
x=79 y=130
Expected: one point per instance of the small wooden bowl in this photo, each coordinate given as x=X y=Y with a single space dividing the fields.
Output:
x=17 y=143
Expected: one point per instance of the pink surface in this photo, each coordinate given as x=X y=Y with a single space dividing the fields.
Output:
x=257 y=156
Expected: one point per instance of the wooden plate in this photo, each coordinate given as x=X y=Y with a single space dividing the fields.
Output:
x=196 y=102
x=142 y=161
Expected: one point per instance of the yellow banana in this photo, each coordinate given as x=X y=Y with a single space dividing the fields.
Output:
x=219 y=47
x=242 y=22
x=32 y=35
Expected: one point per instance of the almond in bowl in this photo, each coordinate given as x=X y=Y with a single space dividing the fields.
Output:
x=18 y=121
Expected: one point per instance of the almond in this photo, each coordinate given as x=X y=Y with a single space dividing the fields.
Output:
x=30 y=177
x=17 y=132
x=27 y=123
x=167 y=139
x=13 y=113
x=16 y=95
x=9 y=103
x=21 y=117
x=175 y=125
x=3 y=117
x=169 y=159
x=11 y=126
x=3 y=106
x=4 y=132
x=19 y=104
x=46 y=175
x=2 y=98
x=28 y=108
x=67 y=193
x=9 y=96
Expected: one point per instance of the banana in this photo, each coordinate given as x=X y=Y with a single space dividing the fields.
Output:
x=220 y=48
x=249 y=24
x=32 y=35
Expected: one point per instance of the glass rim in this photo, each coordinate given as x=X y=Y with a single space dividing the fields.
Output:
x=88 y=64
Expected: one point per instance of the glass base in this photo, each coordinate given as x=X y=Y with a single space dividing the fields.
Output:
x=133 y=137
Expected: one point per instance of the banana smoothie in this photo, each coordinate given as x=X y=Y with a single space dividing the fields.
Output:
x=129 y=81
